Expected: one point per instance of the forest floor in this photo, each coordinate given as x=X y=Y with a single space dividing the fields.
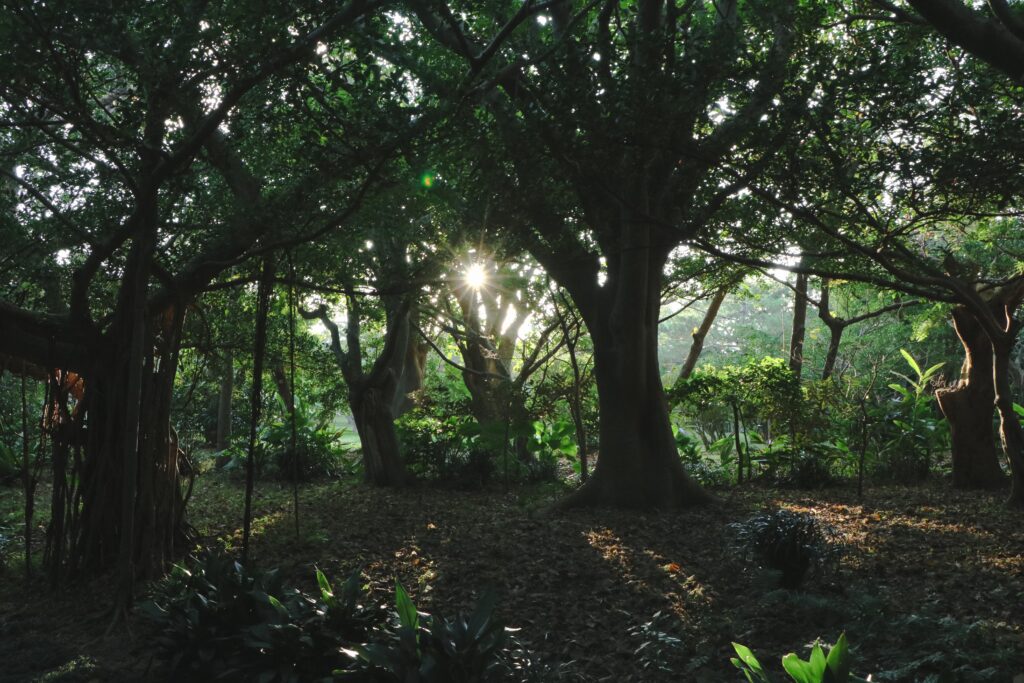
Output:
x=932 y=580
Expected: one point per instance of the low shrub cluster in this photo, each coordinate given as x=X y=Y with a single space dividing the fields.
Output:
x=217 y=620
x=793 y=544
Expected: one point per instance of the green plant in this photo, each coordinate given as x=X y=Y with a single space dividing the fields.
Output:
x=217 y=620
x=833 y=668
x=317 y=444
x=657 y=646
x=551 y=441
x=10 y=464
x=7 y=540
x=703 y=469
x=428 y=649
x=907 y=456
x=451 y=449
x=791 y=543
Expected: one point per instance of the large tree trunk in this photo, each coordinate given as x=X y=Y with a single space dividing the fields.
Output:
x=91 y=496
x=796 y=340
x=638 y=465
x=1010 y=431
x=968 y=407
x=701 y=333
x=372 y=395
x=375 y=423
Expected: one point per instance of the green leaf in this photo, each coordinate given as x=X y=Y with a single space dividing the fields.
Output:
x=931 y=371
x=407 y=615
x=325 y=585
x=839 y=660
x=799 y=670
x=817 y=662
x=911 y=362
x=747 y=657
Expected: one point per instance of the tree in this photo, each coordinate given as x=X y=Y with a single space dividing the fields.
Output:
x=146 y=150
x=601 y=194
x=881 y=184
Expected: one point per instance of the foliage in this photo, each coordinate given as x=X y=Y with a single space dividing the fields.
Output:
x=791 y=543
x=430 y=649
x=7 y=539
x=10 y=464
x=833 y=668
x=704 y=470
x=907 y=454
x=217 y=619
x=657 y=646
x=551 y=441
x=759 y=405
x=444 y=449
x=318 y=446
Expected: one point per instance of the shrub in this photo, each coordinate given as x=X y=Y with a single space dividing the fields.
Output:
x=10 y=464
x=834 y=668
x=7 y=541
x=706 y=471
x=431 y=649
x=219 y=621
x=791 y=543
x=317 y=444
x=447 y=450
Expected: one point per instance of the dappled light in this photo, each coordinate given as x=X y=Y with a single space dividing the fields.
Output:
x=511 y=342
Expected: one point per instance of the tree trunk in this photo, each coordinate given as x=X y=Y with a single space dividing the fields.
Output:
x=227 y=388
x=968 y=407
x=372 y=395
x=701 y=332
x=284 y=387
x=375 y=423
x=1011 y=434
x=796 y=341
x=88 y=528
x=835 y=336
x=639 y=465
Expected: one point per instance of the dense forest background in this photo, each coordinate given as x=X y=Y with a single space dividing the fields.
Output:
x=424 y=340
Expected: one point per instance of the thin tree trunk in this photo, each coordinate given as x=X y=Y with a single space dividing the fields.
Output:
x=281 y=381
x=835 y=336
x=701 y=333
x=259 y=347
x=227 y=388
x=28 y=481
x=796 y=341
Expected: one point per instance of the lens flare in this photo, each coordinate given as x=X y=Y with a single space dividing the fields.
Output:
x=476 y=276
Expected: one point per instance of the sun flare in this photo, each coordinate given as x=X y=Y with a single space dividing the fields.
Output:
x=476 y=276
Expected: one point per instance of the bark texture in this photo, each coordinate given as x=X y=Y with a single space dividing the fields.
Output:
x=968 y=406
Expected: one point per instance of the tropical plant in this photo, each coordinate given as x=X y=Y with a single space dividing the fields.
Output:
x=318 y=445
x=431 y=649
x=833 y=668
x=908 y=455
x=218 y=620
